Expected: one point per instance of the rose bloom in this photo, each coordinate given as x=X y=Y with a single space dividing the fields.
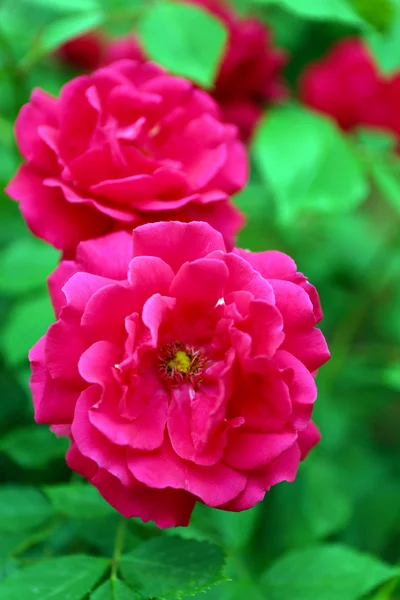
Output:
x=181 y=372
x=84 y=52
x=126 y=145
x=249 y=77
x=346 y=85
x=92 y=50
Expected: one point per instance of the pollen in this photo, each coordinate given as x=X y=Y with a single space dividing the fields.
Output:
x=181 y=363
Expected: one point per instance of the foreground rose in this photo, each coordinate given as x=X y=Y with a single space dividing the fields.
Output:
x=124 y=146
x=182 y=376
x=346 y=85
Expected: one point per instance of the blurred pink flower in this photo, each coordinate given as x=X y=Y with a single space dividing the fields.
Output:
x=124 y=146
x=84 y=52
x=188 y=375
x=347 y=85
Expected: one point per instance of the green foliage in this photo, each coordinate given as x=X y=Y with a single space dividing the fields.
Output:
x=308 y=164
x=26 y=323
x=379 y=13
x=331 y=10
x=58 y=32
x=172 y=567
x=191 y=44
x=331 y=572
x=64 y=578
x=25 y=265
x=22 y=508
x=78 y=500
x=386 y=47
x=114 y=589
x=331 y=200
x=18 y=444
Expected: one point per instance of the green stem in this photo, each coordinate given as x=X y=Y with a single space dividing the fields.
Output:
x=118 y=547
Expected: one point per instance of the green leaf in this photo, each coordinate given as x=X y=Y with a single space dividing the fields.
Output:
x=327 y=572
x=18 y=445
x=78 y=500
x=386 y=47
x=173 y=567
x=326 y=505
x=235 y=529
x=26 y=323
x=60 y=31
x=379 y=13
x=64 y=578
x=386 y=592
x=308 y=164
x=330 y=10
x=191 y=42
x=22 y=507
x=114 y=589
x=6 y=567
x=65 y=6
x=386 y=175
x=25 y=265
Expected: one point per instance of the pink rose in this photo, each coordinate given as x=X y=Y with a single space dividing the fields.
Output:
x=84 y=52
x=126 y=145
x=182 y=373
x=345 y=85
x=250 y=75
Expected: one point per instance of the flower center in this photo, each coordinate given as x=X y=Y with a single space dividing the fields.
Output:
x=180 y=363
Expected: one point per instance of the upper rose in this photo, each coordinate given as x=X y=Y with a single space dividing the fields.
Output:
x=126 y=145
x=250 y=73
x=181 y=372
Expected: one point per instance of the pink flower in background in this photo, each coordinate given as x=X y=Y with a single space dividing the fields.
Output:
x=250 y=75
x=346 y=85
x=189 y=371
x=126 y=145
x=84 y=52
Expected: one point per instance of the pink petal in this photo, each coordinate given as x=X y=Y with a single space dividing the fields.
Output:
x=49 y=215
x=214 y=485
x=199 y=284
x=41 y=110
x=308 y=438
x=91 y=443
x=176 y=242
x=56 y=282
x=108 y=256
x=248 y=450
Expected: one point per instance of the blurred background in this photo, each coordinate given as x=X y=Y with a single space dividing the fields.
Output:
x=314 y=86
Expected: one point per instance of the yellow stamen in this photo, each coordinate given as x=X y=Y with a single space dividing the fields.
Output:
x=180 y=362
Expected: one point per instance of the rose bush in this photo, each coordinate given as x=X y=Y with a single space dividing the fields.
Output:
x=189 y=370
x=126 y=145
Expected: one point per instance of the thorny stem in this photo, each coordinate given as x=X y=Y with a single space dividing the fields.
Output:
x=118 y=547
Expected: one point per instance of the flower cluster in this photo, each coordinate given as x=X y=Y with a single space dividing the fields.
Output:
x=181 y=368
x=249 y=76
x=348 y=86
